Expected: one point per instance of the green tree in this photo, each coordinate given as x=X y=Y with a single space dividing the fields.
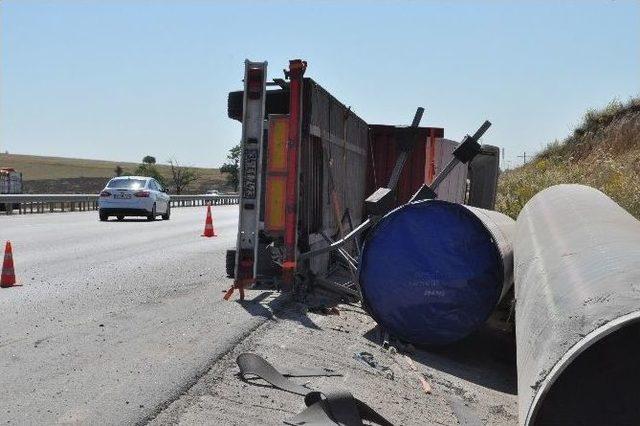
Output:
x=150 y=170
x=118 y=170
x=182 y=177
x=148 y=159
x=232 y=168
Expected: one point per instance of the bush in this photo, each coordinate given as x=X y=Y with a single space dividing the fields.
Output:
x=603 y=152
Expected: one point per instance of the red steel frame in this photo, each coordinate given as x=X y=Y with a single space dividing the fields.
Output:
x=297 y=68
x=431 y=158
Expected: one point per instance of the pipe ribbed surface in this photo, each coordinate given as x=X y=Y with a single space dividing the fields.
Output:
x=431 y=272
x=577 y=274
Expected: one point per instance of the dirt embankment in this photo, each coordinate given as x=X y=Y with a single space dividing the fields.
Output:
x=603 y=152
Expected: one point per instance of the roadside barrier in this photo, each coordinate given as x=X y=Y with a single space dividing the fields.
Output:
x=43 y=203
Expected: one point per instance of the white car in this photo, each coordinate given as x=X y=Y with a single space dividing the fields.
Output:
x=134 y=196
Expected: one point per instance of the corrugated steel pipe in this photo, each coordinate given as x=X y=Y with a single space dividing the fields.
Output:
x=431 y=272
x=577 y=274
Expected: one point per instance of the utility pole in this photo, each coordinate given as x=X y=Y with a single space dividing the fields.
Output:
x=524 y=158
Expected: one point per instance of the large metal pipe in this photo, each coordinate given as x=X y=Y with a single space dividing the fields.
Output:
x=431 y=272
x=577 y=274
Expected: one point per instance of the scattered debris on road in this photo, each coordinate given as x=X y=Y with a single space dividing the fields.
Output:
x=368 y=359
x=475 y=378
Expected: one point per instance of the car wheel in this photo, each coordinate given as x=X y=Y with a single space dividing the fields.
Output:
x=167 y=214
x=120 y=217
x=103 y=217
x=152 y=216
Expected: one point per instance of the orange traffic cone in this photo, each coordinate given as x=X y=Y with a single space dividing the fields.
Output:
x=208 y=224
x=8 y=278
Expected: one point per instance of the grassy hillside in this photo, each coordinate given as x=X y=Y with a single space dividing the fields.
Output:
x=68 y=175
x=603 y=152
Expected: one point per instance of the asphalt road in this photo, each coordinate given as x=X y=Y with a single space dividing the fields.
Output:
x=113 y=320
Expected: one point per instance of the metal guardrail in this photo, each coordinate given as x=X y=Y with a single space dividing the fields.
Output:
x=41 y=203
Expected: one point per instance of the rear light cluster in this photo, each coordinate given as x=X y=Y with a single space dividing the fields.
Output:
x=105 y=194
x=255 y=83
x=143 y=194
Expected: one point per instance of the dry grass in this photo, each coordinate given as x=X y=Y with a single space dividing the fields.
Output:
x=603 y=152
x=38 y=169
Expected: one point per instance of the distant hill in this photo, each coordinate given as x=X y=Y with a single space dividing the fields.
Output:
x=74 y=175
x=603 y=152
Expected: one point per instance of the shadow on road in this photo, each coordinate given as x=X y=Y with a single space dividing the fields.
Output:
x=487 y=357
x=274 y=306
x=132 y=219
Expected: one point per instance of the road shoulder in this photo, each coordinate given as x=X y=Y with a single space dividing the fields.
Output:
x=472 y=383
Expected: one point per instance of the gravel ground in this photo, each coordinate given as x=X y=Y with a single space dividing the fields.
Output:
x=472 y=382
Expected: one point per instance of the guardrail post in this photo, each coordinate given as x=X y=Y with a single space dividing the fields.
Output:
x=84 y=202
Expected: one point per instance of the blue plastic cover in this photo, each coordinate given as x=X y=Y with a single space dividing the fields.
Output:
x=430 y=272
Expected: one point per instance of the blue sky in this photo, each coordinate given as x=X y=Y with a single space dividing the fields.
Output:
x=118 y=80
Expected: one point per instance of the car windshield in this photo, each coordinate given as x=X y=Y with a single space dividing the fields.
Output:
x=126 y=183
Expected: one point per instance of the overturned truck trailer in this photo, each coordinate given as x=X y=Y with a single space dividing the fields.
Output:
x=308 y=164
x=308 y=177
